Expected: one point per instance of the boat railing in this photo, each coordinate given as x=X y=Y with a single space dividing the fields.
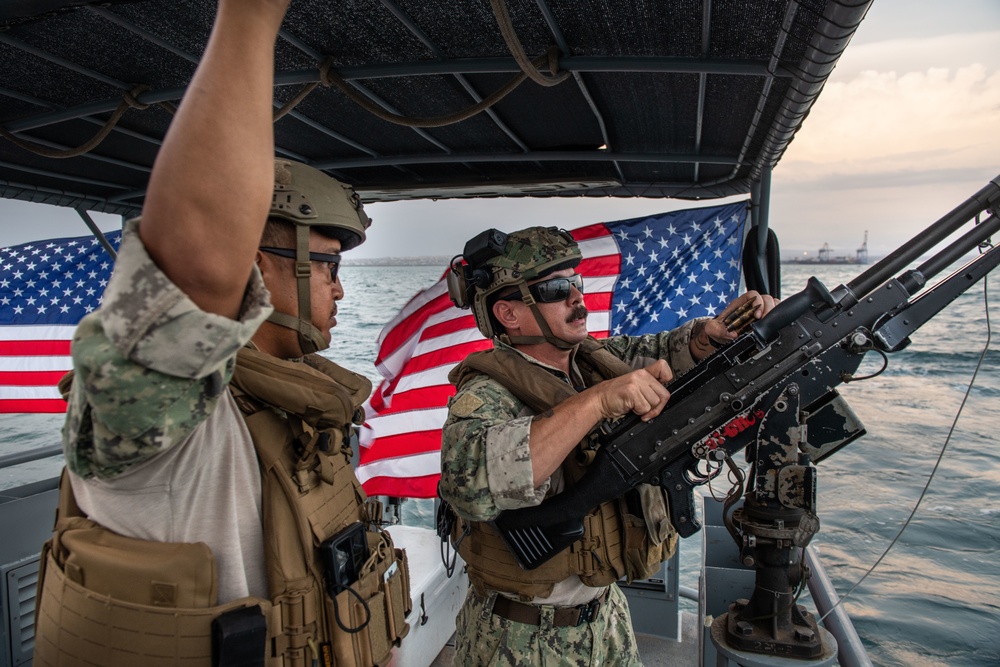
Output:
x=27 y=456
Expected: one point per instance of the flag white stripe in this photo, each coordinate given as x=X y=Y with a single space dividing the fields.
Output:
x=27 y=364
x=599 y=284
x=410 y=421
x=32 y=332
x=599 y=246
x=24 y=393
x=417 y=465
x=453 y=338
x=432 y=377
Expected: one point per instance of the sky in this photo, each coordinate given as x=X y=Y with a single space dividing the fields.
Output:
x=907 y=128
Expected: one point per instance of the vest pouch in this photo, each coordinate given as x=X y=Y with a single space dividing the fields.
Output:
x=362 y=606
x=145 y=572
x=396 y=587
x=649 y=538
x=77 y=626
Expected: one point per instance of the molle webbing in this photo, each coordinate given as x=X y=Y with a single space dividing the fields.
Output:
x=597 y=557
x=310 y=493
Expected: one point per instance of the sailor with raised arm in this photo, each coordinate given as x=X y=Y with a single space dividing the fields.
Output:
x=209 y=514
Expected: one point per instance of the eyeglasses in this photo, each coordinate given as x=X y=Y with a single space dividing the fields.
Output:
x=332 y=261
x=552 y=290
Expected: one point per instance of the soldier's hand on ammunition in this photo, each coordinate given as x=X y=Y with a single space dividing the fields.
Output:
x=737 y=316
x=641 y=392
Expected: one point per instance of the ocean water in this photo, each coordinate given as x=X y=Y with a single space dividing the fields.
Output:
x=934 y=601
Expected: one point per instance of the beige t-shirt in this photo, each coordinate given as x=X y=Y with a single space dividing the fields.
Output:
x=156 y=447
x=204 y=489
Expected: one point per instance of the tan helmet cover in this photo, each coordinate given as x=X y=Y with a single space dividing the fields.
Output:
x=306 y=196
x=529 y=253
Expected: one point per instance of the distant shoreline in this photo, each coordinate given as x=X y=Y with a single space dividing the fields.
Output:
x=441 y=261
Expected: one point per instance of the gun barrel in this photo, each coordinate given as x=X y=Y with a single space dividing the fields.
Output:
x=954 y=252
x=901 y=258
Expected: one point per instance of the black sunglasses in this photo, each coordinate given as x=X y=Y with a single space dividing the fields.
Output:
x=550 y=291
x=333 y=261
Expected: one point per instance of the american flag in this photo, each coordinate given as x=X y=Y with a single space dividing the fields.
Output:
x=46 y=287
x=641 y=275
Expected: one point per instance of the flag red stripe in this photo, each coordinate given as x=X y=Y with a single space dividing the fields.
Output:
x=49 y=405
x=415 y=399
x=594 y=231
x=405 y=487
x=30 y=378
x=394 y=446
x=24 y=348
x=608 y=265
x=599 y=301
x=449 y=326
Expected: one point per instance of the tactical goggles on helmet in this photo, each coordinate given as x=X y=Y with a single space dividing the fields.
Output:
x=332 y=261
x=551 y=290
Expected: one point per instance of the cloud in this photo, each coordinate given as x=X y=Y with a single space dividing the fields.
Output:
x=882 y=122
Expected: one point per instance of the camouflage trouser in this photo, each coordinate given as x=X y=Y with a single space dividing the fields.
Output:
x=494 y=641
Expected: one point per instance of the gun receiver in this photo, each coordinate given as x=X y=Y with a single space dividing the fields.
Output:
x=778 y=378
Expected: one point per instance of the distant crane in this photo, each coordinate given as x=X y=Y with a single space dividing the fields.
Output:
x=863 y=250
x=824 y=253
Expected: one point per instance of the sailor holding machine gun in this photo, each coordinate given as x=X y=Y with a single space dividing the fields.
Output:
x=522 y=427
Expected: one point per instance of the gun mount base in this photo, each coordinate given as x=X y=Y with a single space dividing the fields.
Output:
x=792 y=634
x=747 y=658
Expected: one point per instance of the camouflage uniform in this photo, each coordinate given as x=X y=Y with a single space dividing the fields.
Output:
x=152 y=435
x=494 y=641
x=486 y=468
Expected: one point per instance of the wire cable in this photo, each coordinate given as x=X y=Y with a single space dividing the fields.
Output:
x=937 y=464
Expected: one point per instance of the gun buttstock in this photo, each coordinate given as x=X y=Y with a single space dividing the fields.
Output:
x=533 y=545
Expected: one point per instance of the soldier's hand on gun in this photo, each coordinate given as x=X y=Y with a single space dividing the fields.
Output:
x=642 y=392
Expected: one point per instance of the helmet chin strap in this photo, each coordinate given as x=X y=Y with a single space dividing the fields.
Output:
x=310 y=338
x=547 y=335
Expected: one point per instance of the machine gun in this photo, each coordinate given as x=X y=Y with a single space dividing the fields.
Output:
x=771 y=392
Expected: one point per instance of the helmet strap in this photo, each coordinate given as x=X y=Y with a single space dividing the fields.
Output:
x=310 y=338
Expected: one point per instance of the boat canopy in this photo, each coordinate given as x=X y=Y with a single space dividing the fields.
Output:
x=411 y=99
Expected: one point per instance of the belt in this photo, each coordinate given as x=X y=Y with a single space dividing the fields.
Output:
x=530 y=614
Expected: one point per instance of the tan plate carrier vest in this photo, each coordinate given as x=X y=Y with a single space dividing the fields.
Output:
x=162 y=615
x=615 y=542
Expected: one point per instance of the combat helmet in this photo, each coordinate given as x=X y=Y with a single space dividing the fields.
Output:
x=498 y=263
x=308 y=198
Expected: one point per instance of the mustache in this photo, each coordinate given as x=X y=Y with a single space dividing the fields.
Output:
x=578 y=313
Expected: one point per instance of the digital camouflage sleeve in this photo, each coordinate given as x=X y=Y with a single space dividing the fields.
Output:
x=149 y=365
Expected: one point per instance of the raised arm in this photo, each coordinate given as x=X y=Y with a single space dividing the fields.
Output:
x=211 y=184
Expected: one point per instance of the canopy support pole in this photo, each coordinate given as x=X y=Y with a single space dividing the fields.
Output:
x=760 y=210
x=85 y=215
